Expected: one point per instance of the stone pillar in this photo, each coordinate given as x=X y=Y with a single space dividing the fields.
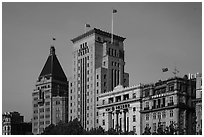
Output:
x=109 y=120
x=117 y=119
x=124 y=119
x=113 y=78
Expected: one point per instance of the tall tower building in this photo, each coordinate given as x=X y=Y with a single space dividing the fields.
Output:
x=50 y=96
x=98 y=67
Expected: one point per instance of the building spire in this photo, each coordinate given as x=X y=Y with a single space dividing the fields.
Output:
x=52 y=50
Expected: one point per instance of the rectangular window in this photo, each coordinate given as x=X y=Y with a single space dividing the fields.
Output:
x=47 y=109
x=103 y=102
x=171 y=122
x=159 y=115
x=134 y=109
x=134 y=118
x=154 y=115
x=171 y=113
x=134 y=129
x=134 y=95
x=147 y=116
x=47 y=103
x=154 y=127
x=103 y=122
x=164 y=114
x=171 y=87
x=47 y=122
x=41 y=109
x=147 y=104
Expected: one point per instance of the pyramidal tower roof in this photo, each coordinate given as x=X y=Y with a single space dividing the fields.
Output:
x=52 y=67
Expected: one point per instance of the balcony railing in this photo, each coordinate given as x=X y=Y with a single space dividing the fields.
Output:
x=146 y=108
x=171 y=104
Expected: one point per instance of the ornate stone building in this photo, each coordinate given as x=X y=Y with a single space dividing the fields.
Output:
x=98 y=67
x=50 y=96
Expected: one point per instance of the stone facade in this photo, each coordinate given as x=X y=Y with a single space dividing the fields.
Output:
x=167 y=102
x=120 y=109
x=98 y=67
x=50 y=96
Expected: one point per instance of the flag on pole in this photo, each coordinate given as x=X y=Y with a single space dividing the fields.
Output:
x=114 y=10
x=164 y=69
x=88 y=25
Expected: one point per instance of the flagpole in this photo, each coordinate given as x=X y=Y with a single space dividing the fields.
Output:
x=112 y=30
x=85 y=28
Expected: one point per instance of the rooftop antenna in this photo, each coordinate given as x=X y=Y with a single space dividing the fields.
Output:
x=113 y=12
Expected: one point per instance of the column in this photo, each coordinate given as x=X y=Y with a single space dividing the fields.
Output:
x=113 y=78
x=109 y=120
x=115 y=120
x=117 y=123
x=116 y=73
x=124 y=118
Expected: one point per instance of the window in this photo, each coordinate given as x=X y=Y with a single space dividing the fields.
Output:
x=171 y=99
x=147 y=116
x=97 y=84
x=103 y=122
x=47 y=116
x=171 y=113
x=96 y=76
x=154 y=115
x=147 y=104
x=103 y=114
x=134 y=118
x=104 y=84
x=171 y=122
x=104 y=63
x=164 y=114
x=105 y=76
x=47 y=103
x=154 y=127
x=134 y=129
x=134 y=108
x=41 y=109
x=57 y=102
x=134 y=95
x=103 y=102
x=35 y=111
x=159 y=115
x=47 y=122
x=164 y=125
x=47 y=109
x=171 y=87
x=147 y=125
x=41 y=116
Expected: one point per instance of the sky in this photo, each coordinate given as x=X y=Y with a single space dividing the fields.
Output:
x=158 y=35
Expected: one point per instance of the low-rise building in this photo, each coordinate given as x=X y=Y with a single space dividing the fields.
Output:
x=120 y=109
x=169 y=101
x=13 y=124
x=198 y=101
